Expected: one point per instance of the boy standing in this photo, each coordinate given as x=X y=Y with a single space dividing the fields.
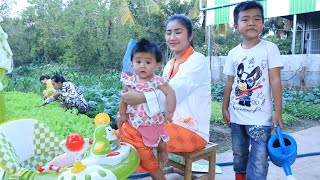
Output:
x=253 y=69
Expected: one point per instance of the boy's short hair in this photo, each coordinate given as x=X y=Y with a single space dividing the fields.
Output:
x=246 y=5
x=146 y=46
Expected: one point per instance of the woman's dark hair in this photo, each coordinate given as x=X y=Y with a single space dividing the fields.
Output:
x=244 y=6
x=44 y=77
x=185 y=21
x=146 y=46
x=57 y=78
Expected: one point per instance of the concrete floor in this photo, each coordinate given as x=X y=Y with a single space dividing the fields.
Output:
x=304 y=168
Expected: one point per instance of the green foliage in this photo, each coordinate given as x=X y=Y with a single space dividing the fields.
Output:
x=216 y=115
x=302 y=104
x=288 y=118
x=154 y=21
x=302 y=110
x=82 y=33
x=225 y=40
x=24 y=105
x=309 y=97
x=284 y=44
x=102 y=91
x=89 y=34
x=217 y=92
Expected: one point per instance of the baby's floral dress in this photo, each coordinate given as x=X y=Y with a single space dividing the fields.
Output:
x=137 y=115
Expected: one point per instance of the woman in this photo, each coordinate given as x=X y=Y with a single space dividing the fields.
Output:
x=189 y=75
x=67 y=94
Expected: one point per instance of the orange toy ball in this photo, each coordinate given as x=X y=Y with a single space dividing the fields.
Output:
x=74 y=142
x=101 y=118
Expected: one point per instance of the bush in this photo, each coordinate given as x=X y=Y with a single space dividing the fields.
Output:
x=217 y=91
x=312 y=96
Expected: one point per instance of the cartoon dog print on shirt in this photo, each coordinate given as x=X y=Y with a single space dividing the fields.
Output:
x=246 y=83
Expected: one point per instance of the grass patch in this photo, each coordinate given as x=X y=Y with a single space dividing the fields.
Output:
x=216 y=114
x=24 y=106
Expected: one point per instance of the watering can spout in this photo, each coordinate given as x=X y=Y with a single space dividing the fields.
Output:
x=286 y=168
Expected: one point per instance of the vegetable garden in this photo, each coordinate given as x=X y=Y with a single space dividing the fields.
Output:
x=102 y=92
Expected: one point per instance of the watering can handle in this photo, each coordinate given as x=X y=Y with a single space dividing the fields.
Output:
x=280 y=135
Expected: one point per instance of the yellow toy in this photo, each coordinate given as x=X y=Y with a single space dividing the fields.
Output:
x=101 y=118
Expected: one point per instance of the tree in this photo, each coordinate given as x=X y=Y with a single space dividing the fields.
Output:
x=224 y=40
x=278 y=26
x=154 y=22
x=92 y=34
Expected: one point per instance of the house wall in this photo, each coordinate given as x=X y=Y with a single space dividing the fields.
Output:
x=302 y=70
x=309 y=26
x=313 y=27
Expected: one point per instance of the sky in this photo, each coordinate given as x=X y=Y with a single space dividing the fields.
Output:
x=17 y=7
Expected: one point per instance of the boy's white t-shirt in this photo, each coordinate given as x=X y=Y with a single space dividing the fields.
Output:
x=250 y=98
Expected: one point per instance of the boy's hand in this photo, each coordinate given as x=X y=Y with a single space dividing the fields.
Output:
x=42 y=104
x=278 y=121
x=226 y=116
x=57 y=94
x=169 y=116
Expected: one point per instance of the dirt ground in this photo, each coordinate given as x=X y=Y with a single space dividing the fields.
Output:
x=220 y=134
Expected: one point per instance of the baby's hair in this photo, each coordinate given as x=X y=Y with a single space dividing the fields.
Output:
x=57 y=78
x=146 y=46
x=44 y=77
x=246 y=5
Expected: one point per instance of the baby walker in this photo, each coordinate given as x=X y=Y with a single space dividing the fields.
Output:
x=36 y=154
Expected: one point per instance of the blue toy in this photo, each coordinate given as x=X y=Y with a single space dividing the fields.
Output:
x=126 y=62
x=283 y=151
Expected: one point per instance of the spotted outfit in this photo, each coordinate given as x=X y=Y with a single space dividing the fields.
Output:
x=71 y=97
